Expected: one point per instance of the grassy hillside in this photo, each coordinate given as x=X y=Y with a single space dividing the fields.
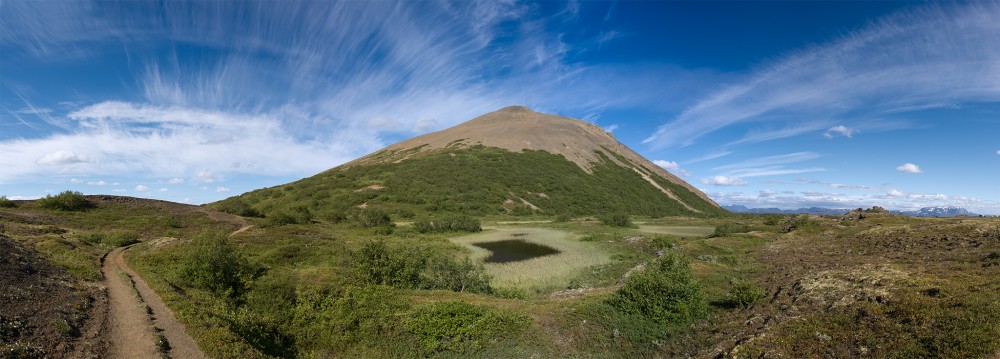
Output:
x=477 y=181
x=746 y=286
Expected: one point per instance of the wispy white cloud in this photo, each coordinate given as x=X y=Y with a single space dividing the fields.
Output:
x=304 y=86
x=62 y=157
x=770 y=165
x=852 y=187
x=724 y=181
x=611 y=128
x=909 y=168
x=222 y=189
x=932 y=56
x=710 y=156
x=118 y=138
x=176 y=181
x=141 y=188
x=839 y=129
x=761 y=135
x=673 y=167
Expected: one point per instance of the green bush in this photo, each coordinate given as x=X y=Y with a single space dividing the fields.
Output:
x=371 y=218
x=6 y=203
x=666 y=291
x=213 y=264
x=459 y=327
x=378 y=263
x=801 y=222
x=294 y=215
x=448 y=224
x=334 y=216
x=744 y=293
x=341 y=320
x=238 y=207
x=617 y=220
x=728 y=229
x=772 y=219
x=563 y=217
x=65 y=201
x=457 y=275
x=113 y=239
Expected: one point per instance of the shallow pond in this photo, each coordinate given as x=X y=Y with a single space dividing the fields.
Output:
x=514 y=250
x=537 y=274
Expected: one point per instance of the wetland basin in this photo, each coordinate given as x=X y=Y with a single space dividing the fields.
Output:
x=514 y=250
x=536 y=274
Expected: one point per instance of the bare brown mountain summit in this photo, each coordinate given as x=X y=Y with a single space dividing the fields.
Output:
x=518 y=128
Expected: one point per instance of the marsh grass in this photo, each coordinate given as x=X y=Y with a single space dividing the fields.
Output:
x=542 y=274
x=687 y=231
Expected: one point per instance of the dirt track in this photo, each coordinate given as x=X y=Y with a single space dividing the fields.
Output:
x=132 y=331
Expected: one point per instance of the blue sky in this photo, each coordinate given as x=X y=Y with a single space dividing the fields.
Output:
x=764 y=104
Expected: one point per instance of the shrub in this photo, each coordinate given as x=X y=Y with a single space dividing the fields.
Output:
x=371 y=218
x=6 y=203
x=65 y=201
x=213 y=264
x=334 y=216
x=238 y=207
x=563 y=217
x=617 y=220
x=376 y=263
x=799 y=223
x=666 y=291
x=772 y=219
x=294 y=215
x=113 y=239
x=448 y=224
x=728 y=229
x=340 y=320
x=413 y=268
x=458 y=326
x=744 y=293
x=456 y=275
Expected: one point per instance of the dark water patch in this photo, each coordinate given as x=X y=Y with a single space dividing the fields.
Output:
x=514 y=250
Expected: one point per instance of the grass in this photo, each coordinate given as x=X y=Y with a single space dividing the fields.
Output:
x=543 y=274
x=792 y=286
x=684 y=231
x=475 y=181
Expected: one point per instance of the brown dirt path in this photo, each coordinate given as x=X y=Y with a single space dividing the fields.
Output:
x=132 y=330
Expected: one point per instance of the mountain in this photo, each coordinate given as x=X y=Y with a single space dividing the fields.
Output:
x=515 y=161
x=937 y=212
x=810 y=210
x=923 y=212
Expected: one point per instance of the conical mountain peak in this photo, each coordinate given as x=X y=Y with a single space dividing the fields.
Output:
x=518 y=128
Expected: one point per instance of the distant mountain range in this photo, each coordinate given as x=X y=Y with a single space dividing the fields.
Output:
x=923 y=212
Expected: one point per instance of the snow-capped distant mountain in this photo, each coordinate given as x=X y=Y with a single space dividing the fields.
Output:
x=923 y=212
x=937 y=212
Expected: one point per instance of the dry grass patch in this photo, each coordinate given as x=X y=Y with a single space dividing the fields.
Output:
x=689 y=231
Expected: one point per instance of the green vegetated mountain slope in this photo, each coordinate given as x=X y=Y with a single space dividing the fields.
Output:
x=512 y=161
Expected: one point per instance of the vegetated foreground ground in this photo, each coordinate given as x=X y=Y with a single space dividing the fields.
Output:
x=868 y=284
